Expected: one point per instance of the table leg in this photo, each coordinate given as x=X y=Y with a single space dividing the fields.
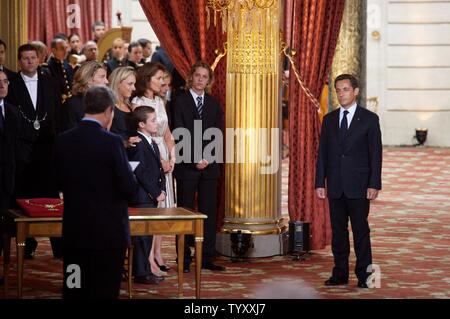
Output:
x=180 y=258
x=6 y=260
x=20 y=242
x=198 y=256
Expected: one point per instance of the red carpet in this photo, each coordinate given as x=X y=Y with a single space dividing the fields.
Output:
x=410 y=224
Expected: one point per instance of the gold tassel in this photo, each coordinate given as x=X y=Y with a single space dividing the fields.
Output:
x=224 y=21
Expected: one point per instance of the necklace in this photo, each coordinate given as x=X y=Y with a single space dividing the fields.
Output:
x=36 y=122
x=50 y=207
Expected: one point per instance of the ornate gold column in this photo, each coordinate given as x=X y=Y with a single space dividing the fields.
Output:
x=253 y=120
x=13 y=28
x=347 y=57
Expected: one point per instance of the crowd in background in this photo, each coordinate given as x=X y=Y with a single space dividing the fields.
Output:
x=47 y=98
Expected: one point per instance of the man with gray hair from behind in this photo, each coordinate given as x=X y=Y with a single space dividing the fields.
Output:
x=96 y=180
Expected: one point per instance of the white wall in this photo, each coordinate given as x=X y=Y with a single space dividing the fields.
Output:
x=132 y=15
x=408 y=68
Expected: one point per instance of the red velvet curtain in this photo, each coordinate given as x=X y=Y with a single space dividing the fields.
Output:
x=316 y=27
x=181 y=28
x=49 y=17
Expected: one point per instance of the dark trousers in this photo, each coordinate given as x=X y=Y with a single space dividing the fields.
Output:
x=141 y=252
x=100 y=273
x=142 y=246
x=357 y=210
x=34 y=179
x=4 y=206
x=206 y=190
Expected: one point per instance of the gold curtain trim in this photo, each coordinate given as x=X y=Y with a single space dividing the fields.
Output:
x=305 y=89
x=219 y=56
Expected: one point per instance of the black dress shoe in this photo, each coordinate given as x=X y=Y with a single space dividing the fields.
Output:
x=28 y=255
x=332 y=281
x=186 y=268
x=160 y=278
x=147 y=280
x=362 y=284
x=213 y=267
x=162 y=267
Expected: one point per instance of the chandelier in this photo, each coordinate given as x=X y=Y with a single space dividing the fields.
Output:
x=235 y=7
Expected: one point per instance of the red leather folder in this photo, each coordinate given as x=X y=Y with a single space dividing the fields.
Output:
x=50 y=207
x=41 y=207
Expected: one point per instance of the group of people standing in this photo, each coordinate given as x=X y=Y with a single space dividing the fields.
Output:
x=136 y=114
x=133 y=104
x=84 y=127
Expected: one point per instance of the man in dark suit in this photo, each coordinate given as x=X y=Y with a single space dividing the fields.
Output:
x=349 y=166
x=60 y=68
x=9 y=74
x=9 y=126
x=96 y=180
x=196 y=174
x=152 y=187
x=34 y=95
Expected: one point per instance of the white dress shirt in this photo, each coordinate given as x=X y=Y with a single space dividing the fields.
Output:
x=31 y=84
x=351 y=111
x=2 y=107
x=149 y=140
x=194 y=95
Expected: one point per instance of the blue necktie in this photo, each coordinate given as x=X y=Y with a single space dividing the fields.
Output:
x=152 y=146
x=344 y=126
x=200 y=105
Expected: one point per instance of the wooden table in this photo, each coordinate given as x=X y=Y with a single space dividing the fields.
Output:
x=147 y=221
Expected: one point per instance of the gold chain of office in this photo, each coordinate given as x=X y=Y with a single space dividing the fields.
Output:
x=51 y=207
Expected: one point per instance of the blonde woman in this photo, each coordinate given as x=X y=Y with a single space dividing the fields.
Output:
x=148 y=85
x=122 y=82
x=89 y=74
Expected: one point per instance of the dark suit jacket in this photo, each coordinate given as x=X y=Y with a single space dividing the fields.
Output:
x=72 y=112
x=113 y=64
x=8 y=145
x=94 y=175
x=184 y=112
x=9 y=74
x=48 y=102
x=149 y=173
x=132 y=64
x=351 y=166
x=56 y=69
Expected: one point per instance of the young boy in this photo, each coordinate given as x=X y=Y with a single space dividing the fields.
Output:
x=150 y=176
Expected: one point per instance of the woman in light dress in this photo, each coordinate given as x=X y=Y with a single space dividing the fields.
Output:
x=148 y=84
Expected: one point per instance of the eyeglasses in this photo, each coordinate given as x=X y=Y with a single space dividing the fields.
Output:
x=5 y=82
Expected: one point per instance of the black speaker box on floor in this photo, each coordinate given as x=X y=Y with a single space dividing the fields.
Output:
x=299 y=237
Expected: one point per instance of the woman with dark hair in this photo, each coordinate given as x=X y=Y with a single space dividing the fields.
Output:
x=75 y=44
x=148 y=84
